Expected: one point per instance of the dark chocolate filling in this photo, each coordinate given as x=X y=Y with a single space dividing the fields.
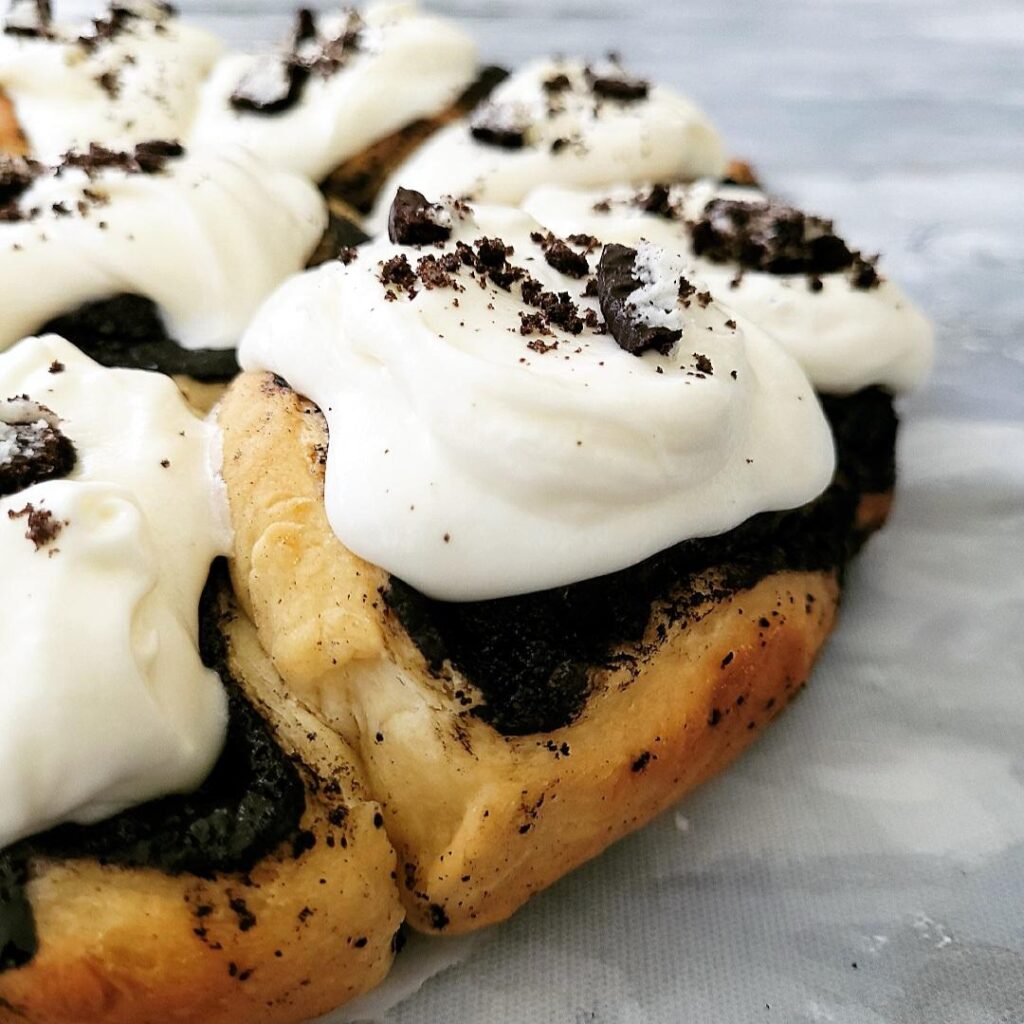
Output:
x=127 y=330
x=530 y=657
x=251 y=803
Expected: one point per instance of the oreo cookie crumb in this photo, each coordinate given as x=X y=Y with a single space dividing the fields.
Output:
x=43 y=526
x=414 y=220
x=560 y=256
x=31 y=19
x=32 y=446
x=616 y=283
x=775 y=238
x=504 y=125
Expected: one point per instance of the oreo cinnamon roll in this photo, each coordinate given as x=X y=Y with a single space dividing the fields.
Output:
x=152 y=258
x=347 y=97
x=537 y=525
x=858 y=336
x=563 y=121
x=128 y=75
x=175 y=845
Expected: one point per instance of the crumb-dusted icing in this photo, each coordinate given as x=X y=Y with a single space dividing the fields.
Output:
x=848 y=325
x=203 y=237
x=115 y=548
x=562 y=121
x=131 y=73
x=341 y=82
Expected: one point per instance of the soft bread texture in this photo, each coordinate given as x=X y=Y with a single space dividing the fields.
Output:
x=12 y=141
x=131 y=946
x=480 y=820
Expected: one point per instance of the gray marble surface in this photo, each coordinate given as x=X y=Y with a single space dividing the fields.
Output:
x=865 y=863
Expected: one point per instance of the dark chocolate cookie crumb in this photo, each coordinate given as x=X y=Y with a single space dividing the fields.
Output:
x=616 y=282
x=43 y=526
x=773 y=237
x=414 y=220
x=17 y=173
x=561 y=256
x=274 y=84
x=29 y=18
x=613 y=83
x=503 y=125
x=32 y=446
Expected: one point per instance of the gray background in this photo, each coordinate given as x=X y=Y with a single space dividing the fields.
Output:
x=864 y=863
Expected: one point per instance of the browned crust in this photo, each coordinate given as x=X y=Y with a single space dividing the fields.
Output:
x=12 y=139
x=482 y=821
x=131 y=946
x=873 y=511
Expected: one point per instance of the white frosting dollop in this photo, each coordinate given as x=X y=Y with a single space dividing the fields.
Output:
x=408 y=65
x=104 y=702
x=572 y=137
x=140 y=83
x=475 y=461
x=844 y=337
x=206 y=239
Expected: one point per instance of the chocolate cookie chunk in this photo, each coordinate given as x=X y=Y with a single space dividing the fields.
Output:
x=32 y=446
x=773 y=237
x=504 y=125
x=414 y=220
x=616 y=282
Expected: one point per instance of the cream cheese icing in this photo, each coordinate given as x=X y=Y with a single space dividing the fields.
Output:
x=104 y=702
x=556 y=128
x=132 y=74
x=844 y=337
x=206 y=238
x=477 y=452
x=406 y=65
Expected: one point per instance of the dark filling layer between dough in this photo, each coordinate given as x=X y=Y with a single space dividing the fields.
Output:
x=250 y=804
x=127 y=330
x=530 y=657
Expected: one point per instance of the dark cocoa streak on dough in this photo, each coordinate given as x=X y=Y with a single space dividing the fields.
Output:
x=251 y=804
x=126 y=330
x=531 y=656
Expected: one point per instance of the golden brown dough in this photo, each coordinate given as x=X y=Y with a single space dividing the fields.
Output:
x=12 y=141
x=132 y=946
x=480 y=820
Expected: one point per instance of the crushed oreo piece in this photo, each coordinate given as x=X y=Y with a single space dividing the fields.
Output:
x=397 y=272
x=32 y=446
x=29 y=18
x=703 y=364
x=42 y=526
x=152 y=155
x=17 y=173
x=613 y=83
x=776 y=238
x=270 y=86
x=656 y=201
x=275 y=83
x=616 y=282
x=560 y=256
x=149 y=157
x=414 y=220
x=504 y=125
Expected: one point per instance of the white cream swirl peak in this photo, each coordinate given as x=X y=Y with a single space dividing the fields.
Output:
x=564 y=122
x=104 y=702
x=789 y=273
x=133 y=73
x=344 y=82
x=490 y=437
x=206 y=236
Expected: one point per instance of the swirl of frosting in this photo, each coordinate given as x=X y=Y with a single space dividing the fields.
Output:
x=104 y=702
x=399 y=66
x=206 y=236
x=131 y=75
x=567 y=122
x=847 y=327
x=489 y=437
